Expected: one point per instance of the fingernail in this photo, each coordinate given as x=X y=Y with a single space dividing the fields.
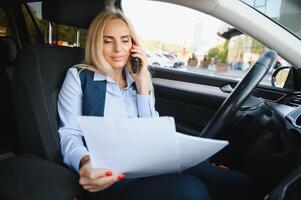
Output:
x=108 y=173
x=121 y=177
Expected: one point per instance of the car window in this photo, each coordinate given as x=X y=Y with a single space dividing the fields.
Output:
x=4 y=30
x=201 y=43
x=32 y=14
x=61 y=34
x=287 y=13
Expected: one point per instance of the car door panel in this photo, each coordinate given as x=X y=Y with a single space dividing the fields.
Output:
x=192 y=104
x=192 y=99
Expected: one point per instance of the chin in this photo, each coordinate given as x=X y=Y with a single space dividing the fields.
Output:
x=119 y=66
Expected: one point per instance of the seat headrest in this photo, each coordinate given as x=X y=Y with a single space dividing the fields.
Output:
x=76 y=13
x=8 y=50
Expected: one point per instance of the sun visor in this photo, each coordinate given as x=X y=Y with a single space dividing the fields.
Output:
x=78 y=13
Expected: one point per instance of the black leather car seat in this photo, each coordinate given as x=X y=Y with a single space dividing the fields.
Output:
x=27 y=176
x=39 y=73
x=8 y=138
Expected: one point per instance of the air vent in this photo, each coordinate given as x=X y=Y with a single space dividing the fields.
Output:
x=295 y=100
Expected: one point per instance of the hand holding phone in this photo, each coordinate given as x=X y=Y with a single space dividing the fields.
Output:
x=135 y=64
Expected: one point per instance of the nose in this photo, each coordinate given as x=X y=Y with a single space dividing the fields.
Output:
x=117 y=46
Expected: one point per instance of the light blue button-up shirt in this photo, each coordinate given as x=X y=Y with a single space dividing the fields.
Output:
x=119 y=103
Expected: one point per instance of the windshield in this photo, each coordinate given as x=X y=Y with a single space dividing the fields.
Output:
x=284 y=12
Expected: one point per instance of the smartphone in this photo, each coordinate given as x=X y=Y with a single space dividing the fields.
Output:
x=135 y=64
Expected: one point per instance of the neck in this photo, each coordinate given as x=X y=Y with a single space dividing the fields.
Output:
x=118 y=76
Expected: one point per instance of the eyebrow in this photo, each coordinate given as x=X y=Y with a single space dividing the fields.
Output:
x=123 y=37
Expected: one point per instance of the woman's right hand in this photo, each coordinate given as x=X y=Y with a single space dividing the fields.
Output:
x=95 y=180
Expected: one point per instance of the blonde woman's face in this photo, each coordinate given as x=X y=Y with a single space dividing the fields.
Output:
x=116 y=43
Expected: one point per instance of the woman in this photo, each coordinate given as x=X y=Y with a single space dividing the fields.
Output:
x=105 y=86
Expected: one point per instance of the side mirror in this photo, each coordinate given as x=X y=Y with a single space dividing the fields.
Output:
x=280 y=76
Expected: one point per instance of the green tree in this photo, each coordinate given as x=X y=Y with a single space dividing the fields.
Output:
x=257 y=47
x=66 y=33
x=219 y=53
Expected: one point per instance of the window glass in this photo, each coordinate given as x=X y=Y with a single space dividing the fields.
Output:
x=61 y=34
x=285 y=12
x=4 y=30
x=34 y=10
x=191 y=41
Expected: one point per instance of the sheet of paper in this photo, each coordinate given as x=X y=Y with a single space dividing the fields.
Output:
x=194 y=150
x=141 y=147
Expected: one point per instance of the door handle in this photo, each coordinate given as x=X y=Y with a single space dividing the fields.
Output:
x=226 y=88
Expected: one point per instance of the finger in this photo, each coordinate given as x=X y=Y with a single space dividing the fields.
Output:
x=88 y=180
x=96 y=189
x=140 y=55
x=138 y=50
x=89 y=187
x=98 y=182
x=84 y=180
x=104 y=181
x=136 y=47
x=120 y=177
x=97 y=173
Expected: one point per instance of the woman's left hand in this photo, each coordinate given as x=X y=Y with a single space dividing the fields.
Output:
x=142 y=76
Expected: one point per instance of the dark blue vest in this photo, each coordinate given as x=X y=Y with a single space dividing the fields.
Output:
x=94 y=93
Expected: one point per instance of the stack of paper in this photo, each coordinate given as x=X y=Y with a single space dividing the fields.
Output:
x=140 y=147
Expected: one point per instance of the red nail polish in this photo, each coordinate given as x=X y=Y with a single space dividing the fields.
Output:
x=108 y=173
x=121 y=177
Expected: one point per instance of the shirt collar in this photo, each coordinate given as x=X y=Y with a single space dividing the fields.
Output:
x=129 y=78
x=102 y=77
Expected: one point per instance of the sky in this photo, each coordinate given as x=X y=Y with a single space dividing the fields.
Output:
x=172 y=23
x=37 y=7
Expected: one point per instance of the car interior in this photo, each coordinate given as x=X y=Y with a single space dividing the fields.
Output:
x=261 y=123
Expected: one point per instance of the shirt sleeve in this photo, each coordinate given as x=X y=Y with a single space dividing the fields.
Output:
x=146 y=105
x=69 y=107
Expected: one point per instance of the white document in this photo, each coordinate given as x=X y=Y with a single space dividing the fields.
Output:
x=140 y=147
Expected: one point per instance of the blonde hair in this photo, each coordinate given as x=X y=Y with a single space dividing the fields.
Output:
x=94 y=59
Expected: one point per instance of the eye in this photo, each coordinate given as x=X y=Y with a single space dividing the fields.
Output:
x=125 y=40
x=107 y=41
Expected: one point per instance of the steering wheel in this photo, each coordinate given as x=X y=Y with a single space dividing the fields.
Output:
x=241 y=92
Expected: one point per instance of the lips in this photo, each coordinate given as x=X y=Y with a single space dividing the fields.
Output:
x=118 y=58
